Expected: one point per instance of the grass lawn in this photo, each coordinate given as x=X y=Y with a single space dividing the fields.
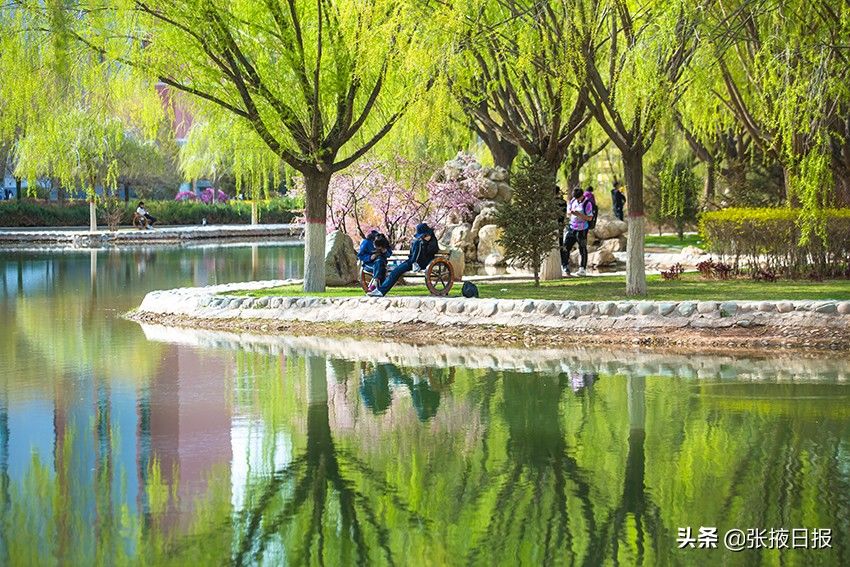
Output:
x=612 y=288
x=672 y=241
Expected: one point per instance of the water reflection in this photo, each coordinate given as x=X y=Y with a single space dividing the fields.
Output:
x=129 y=445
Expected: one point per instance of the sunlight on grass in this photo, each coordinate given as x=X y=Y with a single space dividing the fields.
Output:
x=612 y=288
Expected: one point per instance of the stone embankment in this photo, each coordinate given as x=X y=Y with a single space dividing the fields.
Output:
x=218 y=303
x=160 y=235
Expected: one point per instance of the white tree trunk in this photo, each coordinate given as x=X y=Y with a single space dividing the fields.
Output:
x=254 y=212
x=314 y=256
x=92 y=216
x=317 y=380
x=635 y=265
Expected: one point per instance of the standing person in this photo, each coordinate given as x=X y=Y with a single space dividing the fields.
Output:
x=618 y=200
x=422 y=251
x=589 y=197
x=374 y=252
x=581 y=213
x=142 y=212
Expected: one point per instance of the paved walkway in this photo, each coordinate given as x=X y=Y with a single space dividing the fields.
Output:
x=83 y=238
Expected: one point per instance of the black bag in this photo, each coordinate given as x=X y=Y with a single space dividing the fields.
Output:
x=469 y=289
x=591 y=224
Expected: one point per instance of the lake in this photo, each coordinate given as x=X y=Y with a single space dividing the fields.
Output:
x=123 y=443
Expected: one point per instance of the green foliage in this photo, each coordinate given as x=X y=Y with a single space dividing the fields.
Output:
x=29 y=214
x=774 y=238
x=679 y=194
x=529 y=221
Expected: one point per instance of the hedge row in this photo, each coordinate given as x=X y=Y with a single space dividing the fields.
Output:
x=29 y=213
x=770 y=239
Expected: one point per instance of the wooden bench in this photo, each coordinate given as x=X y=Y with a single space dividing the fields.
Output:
x=439 y=274
x=139 y=221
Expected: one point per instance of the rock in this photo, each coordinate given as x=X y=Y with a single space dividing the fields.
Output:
x=687 y=308
x=645 y=308
x=487 y=189
x=545 y=307
x=487 y=308
x=614 y=244
x=498 y=173
x=455 y=307
x=607 y=308
x=785 y=307
x=601 y=258
x=826 y=307
x=665 y=309
x=486 y=216
x=457 y=259
x=610 y=228
x=624 y=308
x=526 y=306
x=767 y=306
x=567 y=309
x=261 y=302
x=340 y=260
x=692 y=251
x=489 y=250
x=728 y=309
x=586 y=308
x=705 y=307
x=504 y=192
x=844 y=308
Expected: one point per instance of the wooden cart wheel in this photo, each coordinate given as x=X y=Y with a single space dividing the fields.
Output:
x=439 y=277
x=365 y=280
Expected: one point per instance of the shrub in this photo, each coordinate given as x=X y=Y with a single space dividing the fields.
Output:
x=673 y=273
x=771 y=240
x=30 y=214
x=530 y=220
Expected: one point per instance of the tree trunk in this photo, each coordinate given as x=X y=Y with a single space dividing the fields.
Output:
x=126 y=194
x=92 y=216
x=18 y=190
x=254 y=212
x=635 y=264
x=503 y=151
x=573 y=180
x=315 y=213
x=709 y=187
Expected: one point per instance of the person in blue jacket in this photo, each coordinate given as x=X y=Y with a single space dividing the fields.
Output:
x=374 y=252
x=422 y=250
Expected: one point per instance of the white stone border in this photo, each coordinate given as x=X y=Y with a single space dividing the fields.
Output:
x=215 y=303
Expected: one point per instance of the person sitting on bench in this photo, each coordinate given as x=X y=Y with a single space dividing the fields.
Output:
x=423 y=249
x=373 y=254
x=144 y=216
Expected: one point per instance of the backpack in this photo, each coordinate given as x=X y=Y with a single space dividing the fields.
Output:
x=591 y=224
x=469 y=289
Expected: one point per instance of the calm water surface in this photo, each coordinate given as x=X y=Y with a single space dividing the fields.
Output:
x=128 y=444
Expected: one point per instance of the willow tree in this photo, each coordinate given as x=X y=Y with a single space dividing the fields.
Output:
x=511 y=77
x=630 y=55
x=319 y=82
x=221 y=143
x=782 y=69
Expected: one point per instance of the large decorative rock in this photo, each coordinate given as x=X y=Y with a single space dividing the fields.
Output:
x=614 y=244
x=489 y=251
x=340 y=259
x=596 y=259
x=487 y=189
x=457 y=258
x=497 y=173
x=504 y=192
x=610 y=228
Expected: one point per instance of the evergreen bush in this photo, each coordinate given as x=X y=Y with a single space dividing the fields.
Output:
x=530 y=220
x=772 y=239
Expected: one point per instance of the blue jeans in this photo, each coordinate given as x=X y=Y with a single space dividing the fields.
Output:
x=395 y=275
x=377 y=267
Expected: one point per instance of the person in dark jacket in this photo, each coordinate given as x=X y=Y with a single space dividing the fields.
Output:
x=618 y=200
x=374 y=252
x=422 y=251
